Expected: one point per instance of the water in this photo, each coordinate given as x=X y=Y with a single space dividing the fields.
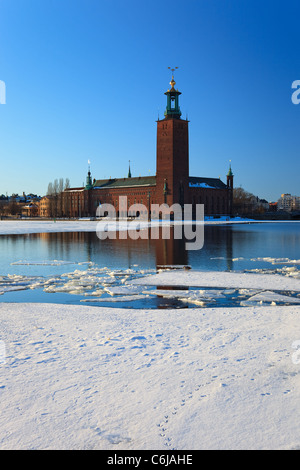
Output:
x=78 y=268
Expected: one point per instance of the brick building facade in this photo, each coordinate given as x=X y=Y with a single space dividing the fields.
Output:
x=171 y=184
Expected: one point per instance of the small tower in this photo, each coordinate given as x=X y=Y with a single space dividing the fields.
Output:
x=89 y=183
x=230 y=191
x=172 y=109
x=230 y=177
x=129 y=171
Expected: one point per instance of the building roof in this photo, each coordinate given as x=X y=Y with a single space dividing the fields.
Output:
x=142 y=181
x=200 y=182
x=125 y=182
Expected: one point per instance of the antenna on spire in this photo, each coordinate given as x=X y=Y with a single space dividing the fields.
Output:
x=173 y=70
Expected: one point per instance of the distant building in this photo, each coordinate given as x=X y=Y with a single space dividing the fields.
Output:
x=30 y=210
x=45 y=206
x=171 y=184
x=288 y=203
x=272 y=206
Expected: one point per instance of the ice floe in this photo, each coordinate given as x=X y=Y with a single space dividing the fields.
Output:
x=125 y=298
x=42 y=263
x=221 y=279
x=180 y=283
x=269 y=297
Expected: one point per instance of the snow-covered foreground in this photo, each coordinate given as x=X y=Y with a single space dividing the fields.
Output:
x=85 y=377
x=80 y=377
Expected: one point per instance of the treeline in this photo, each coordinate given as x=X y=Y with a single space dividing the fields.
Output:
x=245 y=203
x=54 y=192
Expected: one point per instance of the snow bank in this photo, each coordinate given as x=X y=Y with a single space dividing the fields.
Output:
x=83 y=377
x=9 y=227
x=221 y=279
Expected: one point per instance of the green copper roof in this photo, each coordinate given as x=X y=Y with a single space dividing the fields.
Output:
x=125 y=182
x=230 y=171
x=89 y=183
x=172 y=109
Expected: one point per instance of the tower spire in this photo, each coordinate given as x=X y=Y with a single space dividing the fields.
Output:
x=230 y=170
x=89 y=183
x=129 y=172
x=172 y=109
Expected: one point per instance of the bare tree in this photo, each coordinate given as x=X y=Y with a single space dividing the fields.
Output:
x=245 y=203
x=50 y=189
x=55 y=190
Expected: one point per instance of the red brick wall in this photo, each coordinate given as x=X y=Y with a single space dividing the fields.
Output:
x=172 y=159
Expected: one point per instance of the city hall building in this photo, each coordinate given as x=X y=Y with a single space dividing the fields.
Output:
x=172 y=183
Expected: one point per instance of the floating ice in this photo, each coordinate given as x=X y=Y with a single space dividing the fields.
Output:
x=191 y=295
x=42 y=263
x=101 y=284
x=269 y=297
x=4 y=289
x=222 y=279
x=277 y=260
x=124 y=290
x=118 y=298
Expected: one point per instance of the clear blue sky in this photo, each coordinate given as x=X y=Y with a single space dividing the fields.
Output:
x=85 y=80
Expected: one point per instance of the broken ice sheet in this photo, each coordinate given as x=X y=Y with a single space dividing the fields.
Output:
x=189 y=294
x=268 y=297
x=14 y=282
x=4 y=289
x=124 y=290
x=117 y=298
x=42 y=263
x=277 y=260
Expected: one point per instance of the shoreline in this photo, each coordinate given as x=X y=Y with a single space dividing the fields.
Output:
x=22 y=226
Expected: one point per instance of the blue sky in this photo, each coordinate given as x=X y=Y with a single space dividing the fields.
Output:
x=85 y=80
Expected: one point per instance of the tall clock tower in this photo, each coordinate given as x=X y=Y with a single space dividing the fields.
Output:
x=172 y=153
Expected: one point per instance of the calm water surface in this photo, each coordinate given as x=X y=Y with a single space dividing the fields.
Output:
x=29 y=259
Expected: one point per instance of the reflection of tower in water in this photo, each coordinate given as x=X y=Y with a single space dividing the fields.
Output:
x=170 y=252
x=229 y=251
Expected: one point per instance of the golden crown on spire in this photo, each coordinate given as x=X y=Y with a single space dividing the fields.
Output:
x=172 y=82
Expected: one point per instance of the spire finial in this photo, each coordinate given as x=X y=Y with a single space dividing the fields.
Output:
x=230 y=170
x=129 y=172
x=89 y=178
x=172 y=82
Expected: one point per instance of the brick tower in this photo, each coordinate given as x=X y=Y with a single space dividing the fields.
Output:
x=172 y=153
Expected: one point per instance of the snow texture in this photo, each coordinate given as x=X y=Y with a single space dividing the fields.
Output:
x=88 y=377
x=80 y=377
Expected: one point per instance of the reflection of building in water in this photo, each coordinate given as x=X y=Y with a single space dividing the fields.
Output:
x=121 y=251
x=229 y=250
x=69 y=246
x=124 y=252
x=172 y=183
x=170 y=252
